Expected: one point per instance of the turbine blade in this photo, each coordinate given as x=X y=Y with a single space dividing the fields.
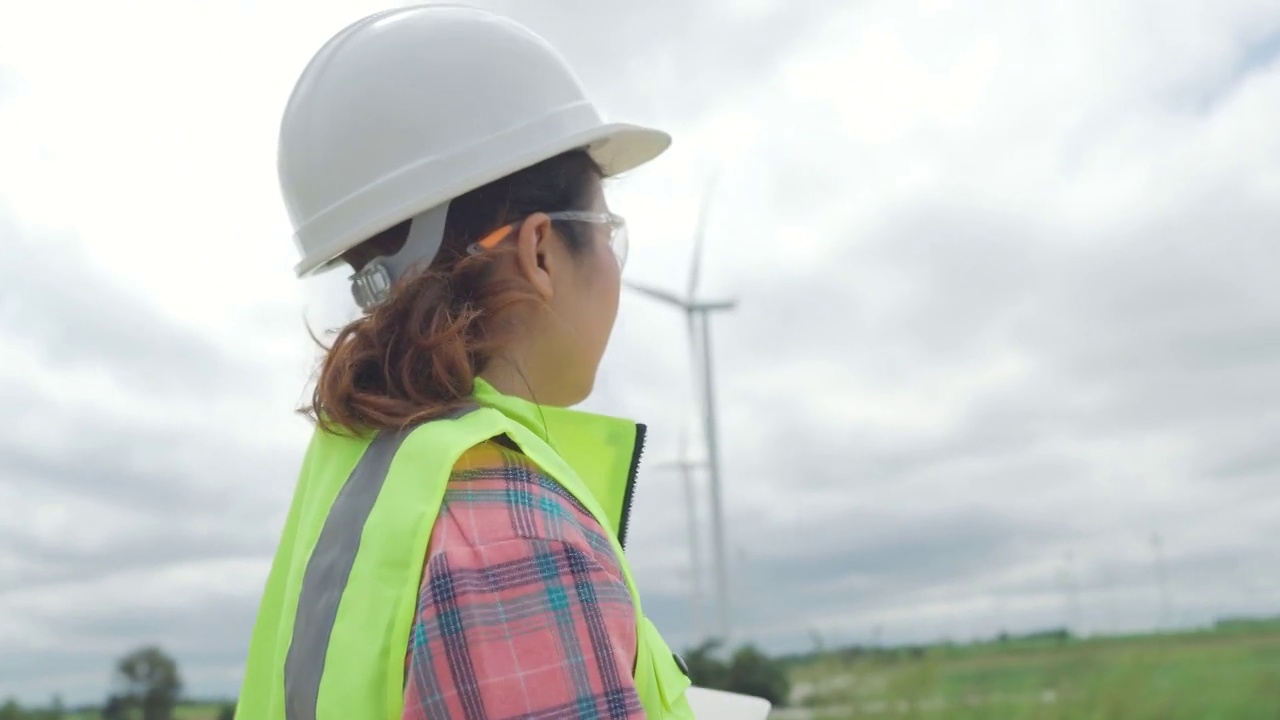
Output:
x=657 y=294
x=699 y=238
x=695 y=358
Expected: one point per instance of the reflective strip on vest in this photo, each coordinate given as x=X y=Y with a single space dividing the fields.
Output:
x=326 y=576
x=329 y=568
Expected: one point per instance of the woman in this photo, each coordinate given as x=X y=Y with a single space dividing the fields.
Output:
x=454 y=547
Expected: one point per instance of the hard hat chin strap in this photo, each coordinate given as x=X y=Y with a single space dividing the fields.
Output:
x=372 y=284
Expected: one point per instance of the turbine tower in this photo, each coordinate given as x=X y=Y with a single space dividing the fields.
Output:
x=687 y=467
x=698 y=316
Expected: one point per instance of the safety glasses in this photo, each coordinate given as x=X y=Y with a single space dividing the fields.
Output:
x=619 y=241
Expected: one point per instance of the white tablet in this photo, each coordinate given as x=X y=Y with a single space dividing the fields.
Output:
x=717 y=705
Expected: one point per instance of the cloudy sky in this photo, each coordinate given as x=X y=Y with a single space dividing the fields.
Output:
x=1005 y=316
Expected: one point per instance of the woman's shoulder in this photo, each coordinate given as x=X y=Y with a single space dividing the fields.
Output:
x=497 y=494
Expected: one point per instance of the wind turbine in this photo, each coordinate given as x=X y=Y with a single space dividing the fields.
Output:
x=687 y=468
x=1162 y=577
x=698 y=315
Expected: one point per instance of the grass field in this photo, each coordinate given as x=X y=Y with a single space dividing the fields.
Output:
x=189 y=711
x=1225 y=674
x=1229 y=673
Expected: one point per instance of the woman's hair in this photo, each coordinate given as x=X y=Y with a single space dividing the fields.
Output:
x=415 y=356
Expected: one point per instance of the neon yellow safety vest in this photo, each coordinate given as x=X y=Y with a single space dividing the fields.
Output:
x=333 y=628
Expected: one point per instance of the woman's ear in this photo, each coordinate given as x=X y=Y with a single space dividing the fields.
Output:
x=533 y=256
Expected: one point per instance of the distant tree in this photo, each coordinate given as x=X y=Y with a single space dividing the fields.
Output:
x=11 y=710
x=149 y=681
x=751 y=672
x=56 y=710
x=228 y=712
x=115 y=708
x=705 y=669
x=850 y=654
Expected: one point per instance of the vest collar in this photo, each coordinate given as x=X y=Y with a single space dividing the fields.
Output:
x=604 y=451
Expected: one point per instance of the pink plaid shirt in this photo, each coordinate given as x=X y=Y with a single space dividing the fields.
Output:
x=523 y=612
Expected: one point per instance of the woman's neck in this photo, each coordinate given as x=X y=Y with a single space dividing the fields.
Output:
x=511 y=376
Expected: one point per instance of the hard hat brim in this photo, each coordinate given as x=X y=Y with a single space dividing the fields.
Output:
x=616 y=148
x=619 y=147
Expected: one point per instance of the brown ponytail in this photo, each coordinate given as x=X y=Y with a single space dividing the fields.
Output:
x=415 y=357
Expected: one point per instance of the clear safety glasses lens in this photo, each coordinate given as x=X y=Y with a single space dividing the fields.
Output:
x=619 y=238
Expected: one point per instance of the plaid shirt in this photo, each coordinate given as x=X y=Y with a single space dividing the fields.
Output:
x=523 y=612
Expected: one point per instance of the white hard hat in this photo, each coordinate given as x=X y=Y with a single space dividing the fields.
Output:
x=406 y=109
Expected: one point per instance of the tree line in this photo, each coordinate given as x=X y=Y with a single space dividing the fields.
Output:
x=148 y=686
x=747 y=670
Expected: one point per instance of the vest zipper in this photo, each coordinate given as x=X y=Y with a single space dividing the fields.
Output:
x=628 y=495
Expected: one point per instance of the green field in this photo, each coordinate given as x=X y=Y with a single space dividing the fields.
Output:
x=186 y=711
x=1231 y=673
